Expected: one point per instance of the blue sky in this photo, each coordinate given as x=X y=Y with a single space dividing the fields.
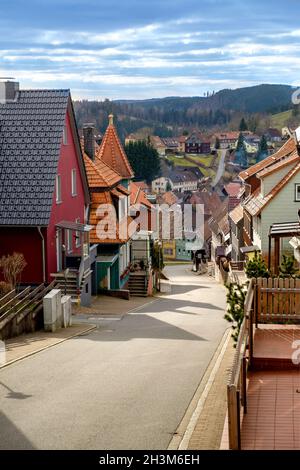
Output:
x=143 y=49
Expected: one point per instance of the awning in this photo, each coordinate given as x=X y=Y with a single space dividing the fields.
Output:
x=74 y=226
x=249 y=249
x=287 y=229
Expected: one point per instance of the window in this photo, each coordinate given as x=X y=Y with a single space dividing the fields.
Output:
x=74 y=183
x=297 y=192
x=69 y=241
x=65 y=135
x=58 y=189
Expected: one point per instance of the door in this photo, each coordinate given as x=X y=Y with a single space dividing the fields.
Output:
x=59 y=250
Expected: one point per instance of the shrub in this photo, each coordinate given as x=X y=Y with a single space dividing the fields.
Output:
x=257 y=267
x=236 y=295
x=12 y=267
x=5 y=287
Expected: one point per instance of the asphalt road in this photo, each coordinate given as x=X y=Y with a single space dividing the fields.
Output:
x=221 y=168
x=124 y=386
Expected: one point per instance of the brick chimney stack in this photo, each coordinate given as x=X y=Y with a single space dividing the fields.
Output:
x=89 y=140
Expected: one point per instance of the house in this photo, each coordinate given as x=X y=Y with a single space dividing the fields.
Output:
x=181 y=143
x=196 y=144
x=220 y=241
x=236 y=219
x=159 y=145
x=183 y=180
x=273 y=187
x=44 y=194
x=110 y=175
x=273 y=135
x=234 y=191
x=133 y=138
x=226 y=140
x=143 y=186
x=209 y=200
x=160 y=185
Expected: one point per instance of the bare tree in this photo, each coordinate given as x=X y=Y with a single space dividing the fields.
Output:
x=12 y=267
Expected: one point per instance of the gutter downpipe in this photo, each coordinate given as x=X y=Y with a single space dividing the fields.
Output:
x=43 y=254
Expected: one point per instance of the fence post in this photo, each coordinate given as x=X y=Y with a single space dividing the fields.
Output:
x=233 y=418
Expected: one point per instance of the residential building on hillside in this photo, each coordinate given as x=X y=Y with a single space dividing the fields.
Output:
x=274 y=187
x=273 y=135
x=44 y=195
x=159 y=145
x=160 y=185
x=183 y=181
x=226 y=140
x=197 y=144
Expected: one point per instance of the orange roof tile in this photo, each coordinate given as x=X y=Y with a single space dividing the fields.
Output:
x=113 y=235
x=99 y=174
x=137 y=196
x=112 y=153
x=288 y=148
x=237 y=214
x=292 y=158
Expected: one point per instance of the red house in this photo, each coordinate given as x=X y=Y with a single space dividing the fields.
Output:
x=44 y=196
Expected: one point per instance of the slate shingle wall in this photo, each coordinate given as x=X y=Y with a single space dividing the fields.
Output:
x=30 y=139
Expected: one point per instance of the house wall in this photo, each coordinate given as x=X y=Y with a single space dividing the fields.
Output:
x=269 y=182
x=28 y=242
x=283 y=208
x=71 y=207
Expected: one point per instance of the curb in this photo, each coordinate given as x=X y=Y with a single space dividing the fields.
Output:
x=184 y=431
x=47 y=347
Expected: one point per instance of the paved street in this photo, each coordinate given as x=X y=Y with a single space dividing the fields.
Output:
x=125 y=385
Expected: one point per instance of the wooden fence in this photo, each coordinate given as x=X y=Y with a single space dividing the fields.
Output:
x=237 y=384
x=22 y=312
x=277 y=301
x=267 y=301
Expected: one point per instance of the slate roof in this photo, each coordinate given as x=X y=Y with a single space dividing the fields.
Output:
x=31 y=132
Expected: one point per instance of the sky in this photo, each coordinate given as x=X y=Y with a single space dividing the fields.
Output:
x=136 y=49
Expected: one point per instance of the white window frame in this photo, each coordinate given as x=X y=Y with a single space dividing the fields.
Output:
x=58 y=195
x=297 y=196
x=74 y=182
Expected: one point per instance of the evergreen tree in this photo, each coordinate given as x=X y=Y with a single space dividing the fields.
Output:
x=243 y=125
x=256 y=267
x=262 y=149
x=241 y=153
x=144 y=160
x=217 y=145
x=288 y=268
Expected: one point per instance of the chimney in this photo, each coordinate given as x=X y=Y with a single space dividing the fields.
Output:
x=89 y=140
x=8 y=91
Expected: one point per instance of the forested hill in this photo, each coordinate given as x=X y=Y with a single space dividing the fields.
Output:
x=166 y=115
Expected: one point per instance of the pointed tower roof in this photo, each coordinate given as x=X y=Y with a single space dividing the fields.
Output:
x=112 y=153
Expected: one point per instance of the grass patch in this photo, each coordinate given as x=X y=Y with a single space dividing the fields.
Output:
x=281 y=119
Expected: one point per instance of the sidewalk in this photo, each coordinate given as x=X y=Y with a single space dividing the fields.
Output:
x=105 y=305
x=32 y=343
x=202 y=426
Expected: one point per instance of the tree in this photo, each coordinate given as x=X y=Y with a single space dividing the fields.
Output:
x=243 y=125
x=168 y=186
x=256 y=267
x=144 y=160
x=241 y=153
x=185 y=133
x=262 y=149
x=288 y=268
x=217 y=144
x=12 y=267
x=236 y=295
